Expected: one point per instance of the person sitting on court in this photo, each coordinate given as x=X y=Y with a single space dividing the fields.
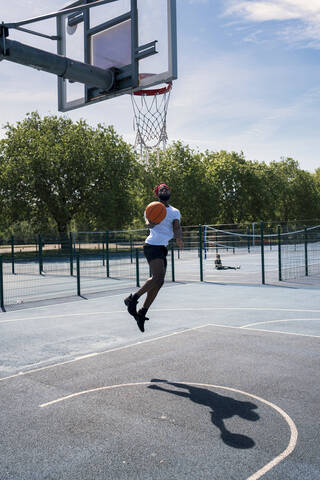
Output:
x=155 y=251
x=219 y=266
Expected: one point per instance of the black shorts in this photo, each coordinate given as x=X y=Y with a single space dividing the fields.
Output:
x=151 y=252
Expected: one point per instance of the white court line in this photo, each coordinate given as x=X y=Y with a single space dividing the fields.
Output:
x=204 y=309
x=238 y=308
x=266 y=468
x=283 y=333
x=102 y=297
x=265 y=331
x=94 y=354
x=83 y=314
x=278 y=321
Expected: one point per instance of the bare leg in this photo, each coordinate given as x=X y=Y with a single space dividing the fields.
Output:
x=153 y=284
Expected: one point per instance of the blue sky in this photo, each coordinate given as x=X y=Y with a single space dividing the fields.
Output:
x=249 y=79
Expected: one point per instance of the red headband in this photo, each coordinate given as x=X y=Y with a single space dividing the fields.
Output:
x=156 y=189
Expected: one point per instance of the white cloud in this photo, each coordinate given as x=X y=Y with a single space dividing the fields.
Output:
x=307 y=13
x=261 y=11
x=241 y=108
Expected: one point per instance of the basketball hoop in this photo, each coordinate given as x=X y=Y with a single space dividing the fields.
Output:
x=150 y=108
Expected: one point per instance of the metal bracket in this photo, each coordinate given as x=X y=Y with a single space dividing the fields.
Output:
x=146 y=50
x=38 y=34
x=4 y=33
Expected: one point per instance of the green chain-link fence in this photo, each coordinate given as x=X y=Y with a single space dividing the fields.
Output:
x=44 y=267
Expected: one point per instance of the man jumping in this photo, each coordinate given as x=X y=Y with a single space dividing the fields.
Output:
x=155 y=251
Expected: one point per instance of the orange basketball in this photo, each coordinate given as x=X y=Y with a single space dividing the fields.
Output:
x=156 y=212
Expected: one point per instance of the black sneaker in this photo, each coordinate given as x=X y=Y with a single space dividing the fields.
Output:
x=140 y=319
x=131 y=303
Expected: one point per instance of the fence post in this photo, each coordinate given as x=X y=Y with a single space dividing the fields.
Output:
x=205 y=241
x=1 y=285
x=78 y=275
x=279 y=253
x=200 y=253
x=306 y=251
x=107 y=254
x=172 y=263
x=12 y=254
x=253 y=234
x=262 y=253
x=40 y=254
x=71 y=253
x=137 y=268
x=131 y=249
x=248 y=233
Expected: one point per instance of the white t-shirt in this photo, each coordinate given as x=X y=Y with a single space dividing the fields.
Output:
x=163 y=232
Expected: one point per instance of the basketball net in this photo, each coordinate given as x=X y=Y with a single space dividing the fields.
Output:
x=150 y=119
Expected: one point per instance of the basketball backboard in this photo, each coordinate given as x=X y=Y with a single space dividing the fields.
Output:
x=137 y=39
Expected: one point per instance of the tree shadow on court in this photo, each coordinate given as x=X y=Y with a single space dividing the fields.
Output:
x=222 y=407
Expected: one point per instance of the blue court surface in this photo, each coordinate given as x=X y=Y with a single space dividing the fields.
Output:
x=223 y=384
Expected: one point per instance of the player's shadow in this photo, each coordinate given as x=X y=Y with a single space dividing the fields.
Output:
x=222 y=407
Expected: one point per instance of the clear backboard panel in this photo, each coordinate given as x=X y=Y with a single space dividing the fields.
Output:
x=157 y=21
x=112 y=47
x=137 y=38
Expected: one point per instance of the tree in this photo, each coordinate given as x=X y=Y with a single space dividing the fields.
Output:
x=295 y=194
x=52 y=167
x=237 y=184
x=113 y=198
x=183 y=170
x=316 y=177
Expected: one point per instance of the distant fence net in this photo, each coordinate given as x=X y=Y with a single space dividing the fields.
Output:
x=300 y=253
x=287 y=252
x=242 y=251
x=84 y=263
